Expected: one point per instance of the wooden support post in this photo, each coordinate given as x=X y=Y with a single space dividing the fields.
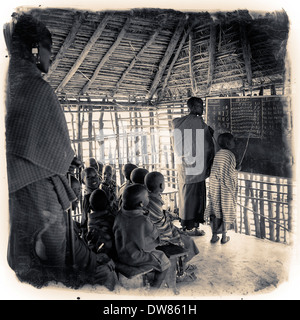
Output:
x=246 y=52
x=79 y=133
x=172 y=152
x=101 y=156
x=90 y=131
x=119 y=161
x=290 y=199
x=191 y=69
x=212 y=56
x=240 y=202
x=255 y=210
x=144 y=146
x=167 y=163
x=278 y=210
x=136 y=140
x=73 y=130
x=246 y=219
x=271 y=214
x=262 y=210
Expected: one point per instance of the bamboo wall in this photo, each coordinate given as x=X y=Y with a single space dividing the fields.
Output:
x=144 y=136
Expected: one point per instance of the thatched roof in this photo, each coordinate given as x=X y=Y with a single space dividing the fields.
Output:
x=158 y=55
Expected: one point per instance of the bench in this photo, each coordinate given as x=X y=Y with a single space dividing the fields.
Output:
x=132 y=277
x=173 y=252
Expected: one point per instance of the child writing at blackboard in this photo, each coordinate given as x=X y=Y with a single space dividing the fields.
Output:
x=222 y=195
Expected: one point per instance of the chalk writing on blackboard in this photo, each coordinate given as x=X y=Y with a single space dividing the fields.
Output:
x=260 y=123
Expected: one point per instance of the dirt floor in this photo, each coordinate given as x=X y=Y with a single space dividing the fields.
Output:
x=242 y=268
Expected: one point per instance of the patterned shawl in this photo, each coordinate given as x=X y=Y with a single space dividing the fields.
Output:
x=37 y=139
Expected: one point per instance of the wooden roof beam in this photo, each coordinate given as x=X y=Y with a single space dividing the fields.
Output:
x=191 y=71
x=136 y=58
x=163 y=63
x=85 y=51
x=79 y=18
x=182 y=42
x=246 y=52
x=106 y=56
x=212 y=55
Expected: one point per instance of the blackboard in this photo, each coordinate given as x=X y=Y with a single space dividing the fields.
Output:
x=263 y=124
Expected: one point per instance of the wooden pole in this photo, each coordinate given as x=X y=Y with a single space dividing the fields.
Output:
x=255 y=207
x=271 y=214
x=290 y=199
x=247 y=193
x=79 y=133
x=212 y=56
x=90 y=131
x=262 y=210
x=101 y=138
x=118 y=148
x=191 y=69
x=246 y=52
x=278 y=210
x=172 y=152
x=152 y=140
x=136 y=140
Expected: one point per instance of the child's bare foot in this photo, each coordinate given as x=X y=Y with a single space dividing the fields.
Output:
x=215 y=239
x=224 y=240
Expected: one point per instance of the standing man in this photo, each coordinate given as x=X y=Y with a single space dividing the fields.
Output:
x=194 y=150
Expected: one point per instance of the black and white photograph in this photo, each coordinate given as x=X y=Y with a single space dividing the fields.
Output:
x=149 y=152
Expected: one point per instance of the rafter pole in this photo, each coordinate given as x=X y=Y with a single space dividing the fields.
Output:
x=192 y=75
x=163 y=64
x=136 y=58
x=212 y=55
x=106 y=56
x=182 y=42
x=79 y=19
x=85 y=51
x=246 y=52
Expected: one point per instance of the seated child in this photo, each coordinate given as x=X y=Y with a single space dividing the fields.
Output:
x=100 y=236
x=91 y=182
x=138 y=175
x=110 y=187
x=155 y=183
x=100 y=166
x=136 y=238
x=93 y=163
x=91 y=267
x=223 y=183
x=127 y=169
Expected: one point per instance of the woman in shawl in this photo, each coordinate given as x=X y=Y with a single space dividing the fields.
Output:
x=39 y=155
x=222 y=189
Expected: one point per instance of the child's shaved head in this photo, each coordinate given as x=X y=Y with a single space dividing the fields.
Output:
x=155 y=182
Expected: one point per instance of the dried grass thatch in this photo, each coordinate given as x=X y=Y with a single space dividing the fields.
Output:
x=156 y=55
